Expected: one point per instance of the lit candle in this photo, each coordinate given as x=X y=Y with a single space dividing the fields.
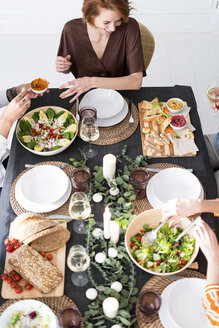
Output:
x=106 y=222
x=109 y=166
x=114 y=232
x=110 y=307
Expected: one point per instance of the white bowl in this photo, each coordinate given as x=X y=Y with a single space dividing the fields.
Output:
x=39 y=91
x=178 y=128
x=153 y=218
x=52 y=152
x=175 y=110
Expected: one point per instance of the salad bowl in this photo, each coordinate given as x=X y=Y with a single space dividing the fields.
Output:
x=47 y=130
x=167 y=259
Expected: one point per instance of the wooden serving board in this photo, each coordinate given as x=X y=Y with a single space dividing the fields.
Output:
x=58 y=260
x=165 y=151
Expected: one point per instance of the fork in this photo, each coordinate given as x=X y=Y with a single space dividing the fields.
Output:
x=61 y=166
x=77 y=110
x=131 y=120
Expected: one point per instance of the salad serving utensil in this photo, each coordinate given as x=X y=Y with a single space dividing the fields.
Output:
x=77 y=110
x=158 y=170
x=188 y=228
x=151 y=236
x=131 y=120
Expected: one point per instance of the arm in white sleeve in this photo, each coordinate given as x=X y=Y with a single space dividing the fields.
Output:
x=3 y=98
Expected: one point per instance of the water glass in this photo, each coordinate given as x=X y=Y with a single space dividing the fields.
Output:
x=81 y=179
x=70 y=317
x=139 y=178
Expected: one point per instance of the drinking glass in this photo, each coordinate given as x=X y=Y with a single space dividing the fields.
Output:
x=88 y=111
x=70 y=317
x=89 y=132
x=213 y=92
x=139 y=178
x=81 y=179
x=149 y=303
x=79 y=209
x=78 y=261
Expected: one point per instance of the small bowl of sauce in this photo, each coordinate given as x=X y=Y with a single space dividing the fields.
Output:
x=178 y=122
x=39 y=85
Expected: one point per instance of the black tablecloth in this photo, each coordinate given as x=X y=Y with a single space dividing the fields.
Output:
x=19 y=156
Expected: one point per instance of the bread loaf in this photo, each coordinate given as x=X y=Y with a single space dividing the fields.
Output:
x=36 y=269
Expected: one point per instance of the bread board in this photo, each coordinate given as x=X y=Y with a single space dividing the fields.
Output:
x=165 y=150
x=58 y=260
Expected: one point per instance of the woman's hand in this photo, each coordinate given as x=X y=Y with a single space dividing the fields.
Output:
x=25 y=89
x=77 y=87
x=175 y=209
x=17 y=107
x=63 y=64
x=215 y=106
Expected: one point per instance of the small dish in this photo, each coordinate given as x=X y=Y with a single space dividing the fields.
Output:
x=175 y=105
x=39 y=85
x=178 y=122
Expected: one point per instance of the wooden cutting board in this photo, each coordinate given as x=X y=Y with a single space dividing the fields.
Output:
x=58 y=260
x=165 y=151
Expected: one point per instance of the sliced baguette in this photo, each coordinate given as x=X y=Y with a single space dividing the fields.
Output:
x=20 y=219
x=31 y=226
x=42 y=233
x=36 y=269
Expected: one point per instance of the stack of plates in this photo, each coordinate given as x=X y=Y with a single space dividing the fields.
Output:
x=182 y=304
x=110 y=105
x=173 y=183
x=43 y=189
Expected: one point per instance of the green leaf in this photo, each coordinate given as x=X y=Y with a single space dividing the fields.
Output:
x=125 y=177
x=119 y=180
x=50 y=113
x=56 y=147
x=31 y=144
x=107 y=290
x=124 y=321
x=127 y=194
x=121 y=200
x=36 y=116
x=124 y=314
x=133 y=197
x=59 y=113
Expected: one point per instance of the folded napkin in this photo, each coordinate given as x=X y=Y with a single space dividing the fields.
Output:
x=185 y=113
x=184 y=146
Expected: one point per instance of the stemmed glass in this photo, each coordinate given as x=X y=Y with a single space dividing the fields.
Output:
x=79 y=209
x=213 y=92
x=89 y=132
x=78 y=261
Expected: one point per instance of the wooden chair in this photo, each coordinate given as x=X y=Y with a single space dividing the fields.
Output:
x=148 y=44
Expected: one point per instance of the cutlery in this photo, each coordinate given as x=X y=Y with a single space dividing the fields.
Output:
x=151 y=236
x=77 y=110
x=59 y=217
x=131 y=120
x=187 y=229
x=158 y=170
x=61 y=166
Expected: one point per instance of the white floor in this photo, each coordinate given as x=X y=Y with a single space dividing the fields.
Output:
x=179 y=58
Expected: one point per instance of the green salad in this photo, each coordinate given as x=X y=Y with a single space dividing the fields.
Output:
x=47 y=130
x=165 y=255
x=33 y=319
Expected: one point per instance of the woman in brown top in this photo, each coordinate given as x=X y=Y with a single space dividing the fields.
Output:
x=102 y=50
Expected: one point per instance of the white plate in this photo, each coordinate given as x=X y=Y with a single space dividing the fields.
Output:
x=184 y=303
x=156 y=203
x=115 y=119
x=108 y=103
x=28 y=306
x=165 y=318
x=40 y=208
x=44 y=184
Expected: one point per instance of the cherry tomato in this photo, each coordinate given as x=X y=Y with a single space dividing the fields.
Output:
x=40 y=125
x=60 y=131
x=158 y=262
x=28 y=286
x=47 y=128
x=4 y=276
x=132 y=245
x=142 y=231
x=12 y=273
x=38 y=133
x=17 y=246
x=51 y=130
x=50 y=133
x=19 y=289
x=7 y=242
x=139 y=237
x=17 y=277
x=9 y=279
x=14 y=241
x=183 y=262
x=33 y=134
x=54 y=136
x=13 y=284
x=49 y=257
x=60 y=136
x=43 y=254
x=9 y=248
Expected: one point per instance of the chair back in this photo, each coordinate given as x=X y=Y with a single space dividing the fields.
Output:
x=148 y=44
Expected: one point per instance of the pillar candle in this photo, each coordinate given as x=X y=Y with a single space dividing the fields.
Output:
x=106 y=222
x=110 y=307
x=114 y=232
x=109 y=166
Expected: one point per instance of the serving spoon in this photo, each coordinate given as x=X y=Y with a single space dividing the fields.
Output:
x=151 y=236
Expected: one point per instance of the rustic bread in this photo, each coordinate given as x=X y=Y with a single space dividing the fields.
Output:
x=51 y=241
x=32 y=226
x=20 y=219
x=36 y=269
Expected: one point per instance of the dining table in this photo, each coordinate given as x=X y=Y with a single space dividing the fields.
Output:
x=200 y=164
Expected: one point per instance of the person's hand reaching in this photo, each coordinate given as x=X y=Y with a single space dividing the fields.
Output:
x=63 y=64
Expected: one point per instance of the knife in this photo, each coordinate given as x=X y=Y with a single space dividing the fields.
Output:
x=59 y=217
x=158 y=170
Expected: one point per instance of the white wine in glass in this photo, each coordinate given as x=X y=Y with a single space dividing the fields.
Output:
x=89 y=132
x=79 y=209
x=78 y=261
x=213 y=91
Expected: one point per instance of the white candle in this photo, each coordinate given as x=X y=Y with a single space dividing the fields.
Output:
x=114 y=232
x=110 y=307
x=106 y=222
x=109 y=166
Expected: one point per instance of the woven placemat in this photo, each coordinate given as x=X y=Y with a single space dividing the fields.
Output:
x=119 y=132
x=63 y=210
x=158 y=284
x=56 y=304
x=143 y=204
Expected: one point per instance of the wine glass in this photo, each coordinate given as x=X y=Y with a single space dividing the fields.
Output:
x=89 y=132
x=78 y=261
x=79 y=209
x=70 y=317
x=213 y=93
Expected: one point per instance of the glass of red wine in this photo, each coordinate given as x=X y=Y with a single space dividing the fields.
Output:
x=149 y=303
x=88 y=111
x=70 y=317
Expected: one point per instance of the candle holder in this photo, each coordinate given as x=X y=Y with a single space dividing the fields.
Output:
x=81 y=180
x=149 y=303
x=139 y=178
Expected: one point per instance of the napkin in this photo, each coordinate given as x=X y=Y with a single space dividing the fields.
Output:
x=185 y=113
x=184 y=146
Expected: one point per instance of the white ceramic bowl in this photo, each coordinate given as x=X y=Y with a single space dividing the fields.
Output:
x=39 y=91
x=178 y=100
x=52 y=152
x=153 y=218
x=178 y=128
